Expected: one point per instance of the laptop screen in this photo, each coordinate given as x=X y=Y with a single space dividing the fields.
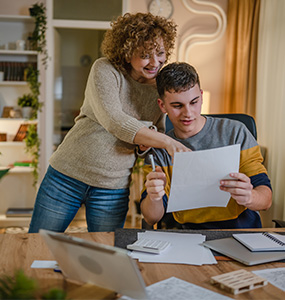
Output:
x=95 y=263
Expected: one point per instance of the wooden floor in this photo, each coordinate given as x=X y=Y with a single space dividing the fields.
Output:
x=75 y=226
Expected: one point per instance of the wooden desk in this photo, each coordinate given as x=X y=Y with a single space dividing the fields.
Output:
x=18 y=251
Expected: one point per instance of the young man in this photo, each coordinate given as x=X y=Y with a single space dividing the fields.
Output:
x=181 y=98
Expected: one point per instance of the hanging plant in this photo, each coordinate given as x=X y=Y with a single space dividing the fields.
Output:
x=34 y=85
x=32 y=139
x=38 y=38
x=38 y=43
x=32 y=142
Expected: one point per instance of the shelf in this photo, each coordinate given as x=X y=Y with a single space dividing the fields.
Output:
x=81 y=24
x=13 y=83
x=9 y=144
x=17 y=170
x=14 y=221
x=16 y=186
x=18 y=119
x=19 y=52
x=16 y=18
x=20 y=170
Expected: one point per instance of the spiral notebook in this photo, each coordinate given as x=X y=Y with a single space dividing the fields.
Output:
x=262 y=241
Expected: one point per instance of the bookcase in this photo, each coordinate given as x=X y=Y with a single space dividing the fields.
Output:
x=74 y=34
x=16 y=186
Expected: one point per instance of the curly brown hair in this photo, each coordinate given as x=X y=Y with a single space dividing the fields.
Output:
x=131 y=31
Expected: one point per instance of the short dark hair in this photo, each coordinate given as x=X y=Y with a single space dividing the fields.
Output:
x=176 y=77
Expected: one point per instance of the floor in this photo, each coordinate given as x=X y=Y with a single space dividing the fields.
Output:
x=75 y=226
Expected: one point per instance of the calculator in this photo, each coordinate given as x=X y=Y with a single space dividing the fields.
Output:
x=149 y=245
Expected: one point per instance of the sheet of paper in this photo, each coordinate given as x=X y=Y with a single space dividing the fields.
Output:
x=185 y=248
x=196 y=177
x=44 y=264
x=175 y=288
x=274 y=276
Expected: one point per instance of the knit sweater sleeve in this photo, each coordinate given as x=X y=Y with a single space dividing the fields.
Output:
x=105 y=94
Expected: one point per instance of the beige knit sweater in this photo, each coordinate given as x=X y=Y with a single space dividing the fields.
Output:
x=99 y=149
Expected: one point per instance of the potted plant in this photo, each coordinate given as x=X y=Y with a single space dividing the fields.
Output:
x=27 y=102
x=3 y=171
x=20 y=286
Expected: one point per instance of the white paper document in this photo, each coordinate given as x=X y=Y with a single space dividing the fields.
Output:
x=196 y=177
x=275 y=276
x=175 y=288
x=44 y=264
x=185 y=248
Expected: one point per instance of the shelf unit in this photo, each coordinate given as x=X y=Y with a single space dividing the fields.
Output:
x=17 y=185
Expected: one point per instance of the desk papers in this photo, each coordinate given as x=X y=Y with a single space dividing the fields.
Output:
x=275 y=276
x=44 y=264
x=185 y=248
x=196 y=177
x=175 y=288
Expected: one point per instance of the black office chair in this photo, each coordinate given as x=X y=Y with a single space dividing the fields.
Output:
x=248 y=121
x=168 y=222
x=279 y=223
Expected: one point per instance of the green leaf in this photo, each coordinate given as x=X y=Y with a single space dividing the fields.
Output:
x=55 y=294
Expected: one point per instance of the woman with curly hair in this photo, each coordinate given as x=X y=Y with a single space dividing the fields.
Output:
x=93 y=164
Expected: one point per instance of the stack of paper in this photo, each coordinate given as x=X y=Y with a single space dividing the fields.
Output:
x=185 y=248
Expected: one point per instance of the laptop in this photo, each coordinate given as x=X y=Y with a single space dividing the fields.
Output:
x=89 y=262
x=235 y=250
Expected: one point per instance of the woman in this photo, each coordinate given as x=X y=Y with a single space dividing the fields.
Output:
x=93 y=164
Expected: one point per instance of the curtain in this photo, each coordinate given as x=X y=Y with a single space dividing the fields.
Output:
x=270 y=105
x=241 y=56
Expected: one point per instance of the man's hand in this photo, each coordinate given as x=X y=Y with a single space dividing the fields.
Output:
x=155 y=184
x=152 y=206
x=143 y=148
x=239 y=187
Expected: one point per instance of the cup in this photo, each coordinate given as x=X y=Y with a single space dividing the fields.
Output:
x=20 y=45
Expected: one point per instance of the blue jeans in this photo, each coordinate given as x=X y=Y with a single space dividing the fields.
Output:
x=60 y=196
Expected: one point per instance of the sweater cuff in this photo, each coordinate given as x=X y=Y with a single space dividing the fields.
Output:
x=130 y=129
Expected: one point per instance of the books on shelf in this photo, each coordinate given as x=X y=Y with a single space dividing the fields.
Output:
x=22 y=132
x=15 y=71
x=262 y=241
x=23 y=163
x=19 y=212
x=6 y=113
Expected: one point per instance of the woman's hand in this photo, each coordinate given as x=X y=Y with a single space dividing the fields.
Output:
x=151 y=138
x=175 y=146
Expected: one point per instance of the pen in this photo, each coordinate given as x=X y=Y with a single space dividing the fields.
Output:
x=152 y=162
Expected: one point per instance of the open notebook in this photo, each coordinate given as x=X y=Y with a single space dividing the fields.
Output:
x=262 y=241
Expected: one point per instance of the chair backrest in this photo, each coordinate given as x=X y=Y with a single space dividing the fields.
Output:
x=244 y=118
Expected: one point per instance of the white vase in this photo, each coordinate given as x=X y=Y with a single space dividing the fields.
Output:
x=26 y=112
